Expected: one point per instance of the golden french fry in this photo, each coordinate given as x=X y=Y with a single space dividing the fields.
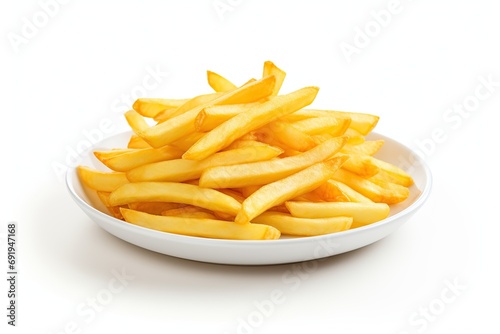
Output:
x=287 y=224
x=114 y=210
x=363 y=123
x=174 y=192
x=311 y=196
x=290 y=136
x=136 y=122
x=265 y=135
x=271 y=69
x=236 y=176
x=323 y=125
x=164 y=115
x=137 y=142
x=101 y=181
x=361 y=164
x=234 y=194
x=150 y=107
x=385 y=192
x=219 y=83
x=354 y=136
x=189 y=212
x=331 y=192
x=196 y=214
x=278 y=192
x=177 y=127
x=211 y=117
x=335 y=191
x=113 y=153
x=192 y=103
x=240 y=143
x=201 y=227
x=180 y=170
x=154 y=208
x=129 y=160
x=368 y=147
x=187 y=141
x=254 y=118
x=392 y=173
x=361 y=213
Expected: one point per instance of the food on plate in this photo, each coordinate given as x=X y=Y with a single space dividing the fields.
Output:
x=247 y=162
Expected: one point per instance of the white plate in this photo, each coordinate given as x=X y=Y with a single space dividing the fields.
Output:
x=256 y=252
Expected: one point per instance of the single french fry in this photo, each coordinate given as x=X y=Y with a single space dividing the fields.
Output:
x=154 y=208
x=271 y=69
x=187 y=141
x=363 y=123
x=219 y=83
x=234 y=194
x=112 y=153
x=211 y=117
x=136 y=122
x=265 y=135
x=351 y=194
x=392 y=173
x=331 y=192
x=361 y=164
x=290 y=225
x=201 y=227
x=248 y=190
x=137 y=142
x=180 y=170
x=165 y=114
x=386 y=192
x=240 y=143
x=398 y=191
x=254 y=118
x=361 y=213
x=368 y=147
x=195 y=102
x=290 y=136
x=190 y=212
x=101 y=181
x=354 y=136
x=236 y=176
x=311 y=196
x=129 y=160
x=114 y=210
x=323 y=125
x=292 y=186
x=177 y=127
x=104 y=197
x=150 y=107
x=174 y=192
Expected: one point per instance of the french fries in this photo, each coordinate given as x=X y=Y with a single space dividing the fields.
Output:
x=239 y=125
x=201 y=227
x=101 y=181
x=258 y=173
x=180 y=170
x=361 y=213
x=247 y=163
x=174 y=192
x=219 y=83
x=181 y=125
x=278 y=192
x=150 y=107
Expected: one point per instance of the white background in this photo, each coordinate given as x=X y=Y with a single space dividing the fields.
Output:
x=70 y=74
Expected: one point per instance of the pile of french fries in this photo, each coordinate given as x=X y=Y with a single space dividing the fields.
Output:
x=247 y=163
